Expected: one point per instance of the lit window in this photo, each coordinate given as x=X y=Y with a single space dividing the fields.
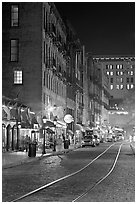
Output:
x=132 y=86
x=121 y=86
x=117 y=86
x=121 y=79
x=111 y=66
x=131 y=73
x=17 y=77
x=111 y=73
x=107 y=73
x=121 y=66
x=14 y=15
x=132 y=66
x=128 y=86
x=121 y=73
x=117 y=73
x=117 y=66
x=14 y=50
x=111 y=86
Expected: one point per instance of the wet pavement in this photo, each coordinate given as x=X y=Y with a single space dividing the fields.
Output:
x=25 y=178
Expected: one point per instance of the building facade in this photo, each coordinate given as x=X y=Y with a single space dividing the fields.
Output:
x=42 y=61
x=121 y=74
x=94 y=78
x=120 y=71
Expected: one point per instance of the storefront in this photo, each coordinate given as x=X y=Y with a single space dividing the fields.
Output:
x=17 y=123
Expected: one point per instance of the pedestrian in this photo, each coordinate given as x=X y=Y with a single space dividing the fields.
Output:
x=63 y=137
x=54 y=145
x=27 y=141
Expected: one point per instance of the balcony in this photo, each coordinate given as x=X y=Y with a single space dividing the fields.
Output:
x=51 y=64
x=58 y=41
x=51 y=32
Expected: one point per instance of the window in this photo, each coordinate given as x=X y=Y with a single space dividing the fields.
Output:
x=111 y=73
x=117 y=86
x=111 y=80
x=132 y=86
x=14 y=50
x=127 y=80
x=132 y=80
x=107 y=73
x=132 y=66
x=111 y=66
x=117 y=66
x=128 y=86
x=14 y=15
x=131 y=73
x=111 y=86
x=121 y=86
x=121 y=79
x=121 y=73
x=17 y=77
x=121 y=66
x=117 y=73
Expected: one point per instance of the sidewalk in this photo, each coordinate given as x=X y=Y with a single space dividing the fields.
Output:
x=11 y=159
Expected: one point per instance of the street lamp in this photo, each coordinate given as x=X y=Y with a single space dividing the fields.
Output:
x=44 y=122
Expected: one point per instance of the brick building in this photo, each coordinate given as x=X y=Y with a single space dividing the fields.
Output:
x=42 y=61
x=121 y=74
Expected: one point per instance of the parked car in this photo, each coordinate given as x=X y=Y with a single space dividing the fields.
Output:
x=109 y=138
x=114 y=137
x=120 y=136
x=88 y=139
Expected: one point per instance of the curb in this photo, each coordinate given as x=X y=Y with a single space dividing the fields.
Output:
x=133 y=148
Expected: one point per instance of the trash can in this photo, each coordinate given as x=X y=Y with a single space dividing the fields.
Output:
x=32 y=150
x=66 y=144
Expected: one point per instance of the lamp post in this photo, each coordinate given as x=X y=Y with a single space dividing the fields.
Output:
x=55 y=123
x=44 y=122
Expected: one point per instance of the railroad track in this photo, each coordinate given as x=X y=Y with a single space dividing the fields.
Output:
x=62 y=183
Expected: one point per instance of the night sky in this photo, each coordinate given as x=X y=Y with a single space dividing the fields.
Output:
x=105 y=28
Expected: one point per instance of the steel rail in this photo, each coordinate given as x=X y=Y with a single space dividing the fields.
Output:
x=101 y=179
x=62 y=178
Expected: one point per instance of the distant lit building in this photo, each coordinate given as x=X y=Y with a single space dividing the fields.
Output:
x=121 y=74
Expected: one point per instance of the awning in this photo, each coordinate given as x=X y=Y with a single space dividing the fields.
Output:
x=70 y=132
x=61 y=124
x=50 y=131
x=49 y=123
x=87 y=128
x=79 y=127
